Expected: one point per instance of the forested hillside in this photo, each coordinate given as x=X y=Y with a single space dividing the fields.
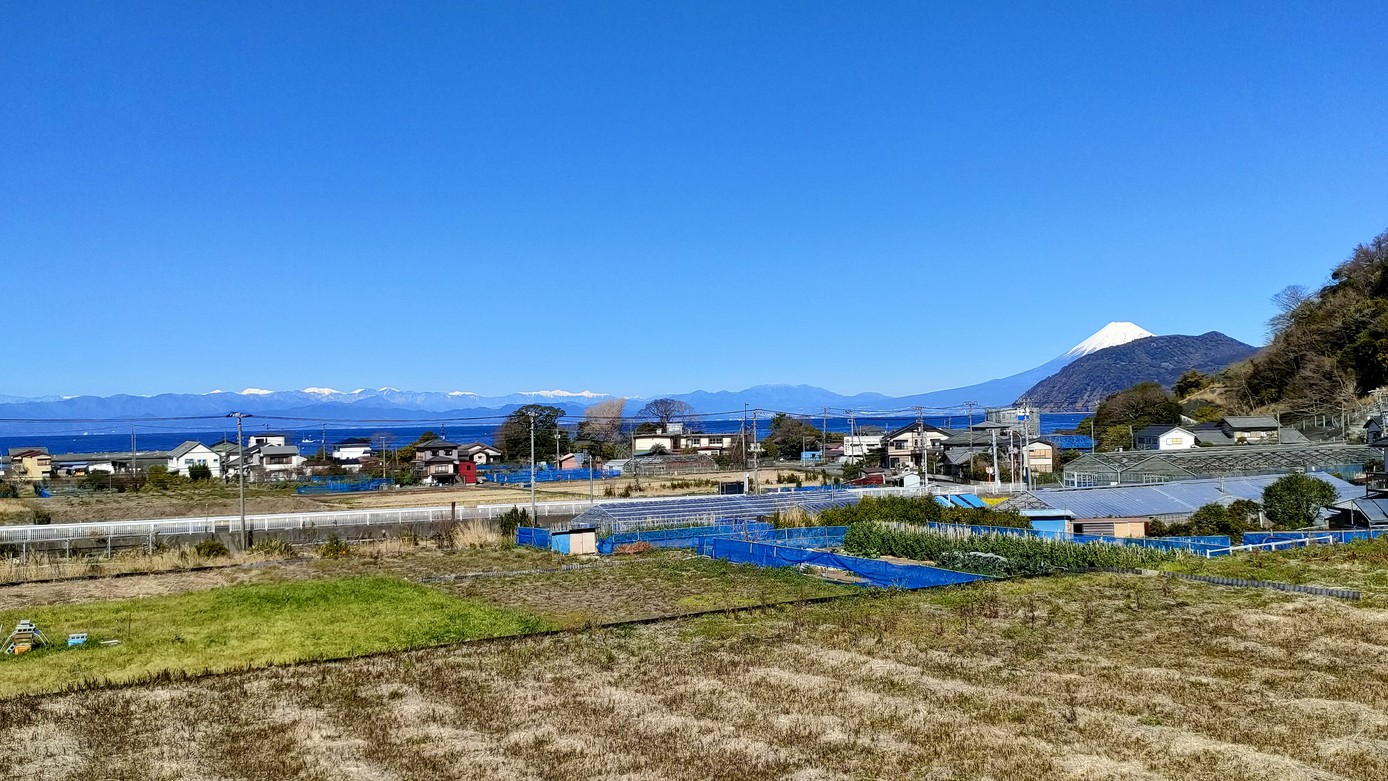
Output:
x=1328 y=346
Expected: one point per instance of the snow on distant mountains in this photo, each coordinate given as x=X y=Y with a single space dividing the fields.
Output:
x=324 y=403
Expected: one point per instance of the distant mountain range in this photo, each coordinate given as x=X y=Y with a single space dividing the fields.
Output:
x=1088 y=380
x=392 y=404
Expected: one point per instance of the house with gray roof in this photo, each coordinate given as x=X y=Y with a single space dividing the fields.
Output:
x=193 y=453
x=1251 y=429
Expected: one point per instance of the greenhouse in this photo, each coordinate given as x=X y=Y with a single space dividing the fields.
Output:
x=1151 y=466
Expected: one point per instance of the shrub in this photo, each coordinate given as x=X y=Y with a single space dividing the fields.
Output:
x=511 y=520
x=198 y=472
x=275 y=547
x=211 y=549
x=41 y=516
x=334 y=548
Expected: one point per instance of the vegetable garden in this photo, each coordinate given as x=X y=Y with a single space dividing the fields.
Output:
x=999 y=555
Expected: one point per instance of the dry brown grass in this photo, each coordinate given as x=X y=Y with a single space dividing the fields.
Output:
x=1095 y=677
x=183 y=502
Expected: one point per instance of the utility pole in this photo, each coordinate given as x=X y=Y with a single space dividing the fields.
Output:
x=997 y=473
x=824 y=438
x=591 y=461
x=970 y=405
x=241 y=478
x=756 y=463
x=533 y=516
x=134 y=464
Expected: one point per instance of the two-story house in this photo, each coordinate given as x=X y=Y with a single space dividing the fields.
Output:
x=33 y=464
x=479 y=453
x=352 y=449
x=907 y=446
x=193 y=453
x=436 y=461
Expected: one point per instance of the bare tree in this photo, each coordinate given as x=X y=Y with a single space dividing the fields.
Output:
x=667 y=411
x=602 y=422
x=1287 y=300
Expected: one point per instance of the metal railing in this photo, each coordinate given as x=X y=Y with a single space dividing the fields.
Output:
x=328 y=519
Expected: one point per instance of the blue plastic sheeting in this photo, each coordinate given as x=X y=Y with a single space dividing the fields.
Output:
x=344 y=486
x=973 y=501
x=1338 y=535
x=688 y=537
x=1221 y=540
x=942 y=501
x=958 y=501
x=882 y=574
x=1161 y=543
x=551 y=475
x=1071 y=441
x=798 y=537
x=532 y=537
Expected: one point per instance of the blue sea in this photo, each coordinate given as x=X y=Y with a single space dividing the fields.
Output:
x=166 y=436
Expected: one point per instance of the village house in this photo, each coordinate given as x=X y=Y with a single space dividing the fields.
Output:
x=352 y=449
x=907 y=446
x=1163 y=437
x=479 y=453
x=193 y=453
x=30 y=463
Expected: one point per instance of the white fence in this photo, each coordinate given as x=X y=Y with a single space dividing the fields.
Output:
x=208 y=525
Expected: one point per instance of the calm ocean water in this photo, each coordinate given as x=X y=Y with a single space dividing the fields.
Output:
x=166 y=437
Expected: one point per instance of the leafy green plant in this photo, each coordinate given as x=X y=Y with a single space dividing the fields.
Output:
x=1003 y=554
x=211 y=549
x=511 y=520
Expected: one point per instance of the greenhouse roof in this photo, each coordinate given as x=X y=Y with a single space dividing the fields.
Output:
x=1179 y=497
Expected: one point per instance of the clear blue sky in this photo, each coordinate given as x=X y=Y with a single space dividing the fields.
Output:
x=639 y=197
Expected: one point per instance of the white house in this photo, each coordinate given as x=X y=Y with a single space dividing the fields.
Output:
x=1163 y=437
x=193 y=453
x=276 y=462
x=352 y=449
x=265 y=438
x=857 y=446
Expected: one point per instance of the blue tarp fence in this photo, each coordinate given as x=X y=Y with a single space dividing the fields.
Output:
x=1338 y=535
x=797 y=537
x=549 y=475
x=344 y=486
x=532 y=537
x=687 y=537
x=1160 y=543
x=882 y=574
x=1221 y=540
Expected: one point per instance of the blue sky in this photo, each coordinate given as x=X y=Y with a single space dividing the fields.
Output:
x=660 y=197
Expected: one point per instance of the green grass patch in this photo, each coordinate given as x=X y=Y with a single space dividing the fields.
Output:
x=246 y=626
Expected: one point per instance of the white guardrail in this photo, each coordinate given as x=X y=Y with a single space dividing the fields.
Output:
x=207 y=525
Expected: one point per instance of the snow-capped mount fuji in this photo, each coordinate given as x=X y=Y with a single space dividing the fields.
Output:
x=1111 y=335
x=1004 y=390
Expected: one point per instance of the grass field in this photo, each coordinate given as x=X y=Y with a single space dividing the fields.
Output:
x=1078 y=677
x=1361 y=565
x=660 y=584
x=238 y=626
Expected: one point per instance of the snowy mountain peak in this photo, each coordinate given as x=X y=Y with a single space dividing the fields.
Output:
x=587 y=394
x=256 y=392
x=1110 y=335
x=322 y=391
